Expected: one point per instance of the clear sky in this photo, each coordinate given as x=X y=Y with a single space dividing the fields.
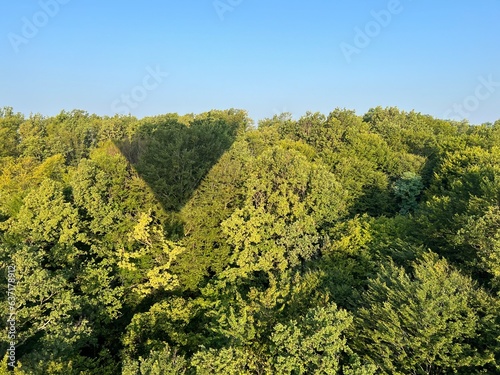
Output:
x=152 y=57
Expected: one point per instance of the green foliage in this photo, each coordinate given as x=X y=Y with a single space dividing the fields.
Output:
x=312 y=345
x=188 y=151
x=423 y=323
x=465 y=184
x=407 y=189
x=9 y=126
x=161 y=362
x=219 y=194
x=483 y=235
x=47 y=219
x=197 y=244
x=165 y=321
x=289 y=201
x=110 y=193
x=230 y=361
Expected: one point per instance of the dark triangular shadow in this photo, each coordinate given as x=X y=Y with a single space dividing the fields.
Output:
x=172 y=154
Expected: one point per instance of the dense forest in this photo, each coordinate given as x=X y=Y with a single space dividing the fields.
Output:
x=206 y=244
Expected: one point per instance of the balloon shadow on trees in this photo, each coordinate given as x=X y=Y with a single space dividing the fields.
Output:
x=173 y=155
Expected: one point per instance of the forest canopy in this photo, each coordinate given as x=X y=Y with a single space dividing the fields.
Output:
x=205 y=244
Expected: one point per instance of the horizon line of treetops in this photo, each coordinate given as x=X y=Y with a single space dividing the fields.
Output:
x=9 y=111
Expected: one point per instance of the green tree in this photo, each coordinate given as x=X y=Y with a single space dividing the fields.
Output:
x=289 y=201
x=465 y=184
x=423 y=323
x=161 y=362
x=219 y=194
x=483 y=235
x=9 y=127
x=407 y=189
x=313 y=344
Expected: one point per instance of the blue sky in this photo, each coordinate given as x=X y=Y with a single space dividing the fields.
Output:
x=267 y=57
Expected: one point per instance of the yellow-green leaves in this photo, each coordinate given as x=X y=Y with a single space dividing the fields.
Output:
x=47 y=218
x=289 y=200
x=148 y=243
